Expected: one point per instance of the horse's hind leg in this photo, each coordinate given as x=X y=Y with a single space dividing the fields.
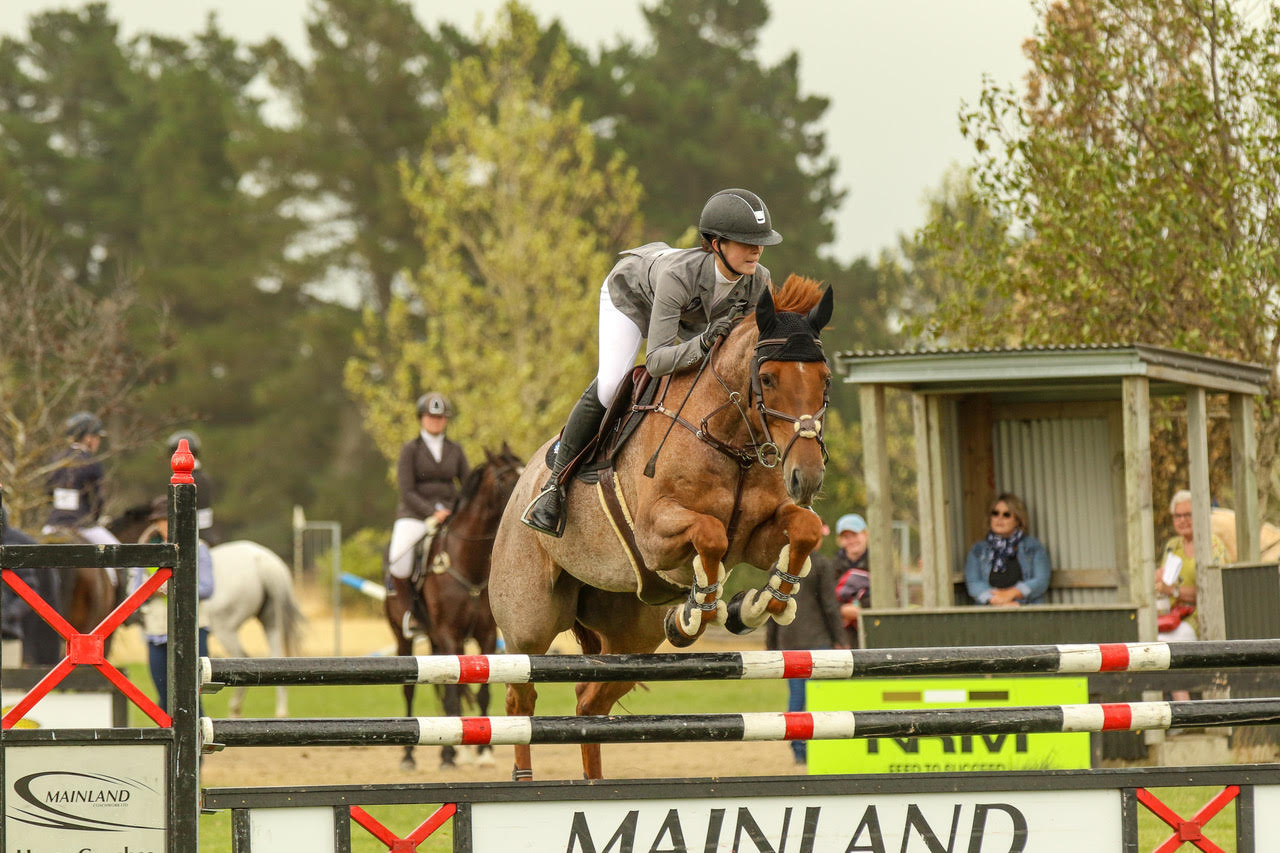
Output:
x=230 y=641
x=620 y=624
x=403 y=647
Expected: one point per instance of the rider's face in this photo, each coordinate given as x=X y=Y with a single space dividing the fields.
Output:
x=434 y=424
x=743 y=257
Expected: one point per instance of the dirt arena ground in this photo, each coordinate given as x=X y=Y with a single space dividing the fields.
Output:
x=381 y=765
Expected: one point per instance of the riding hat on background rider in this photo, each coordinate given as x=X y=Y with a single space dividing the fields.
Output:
x=75 y=484
x=681 y=301
x=429 y=475
x=204 y=485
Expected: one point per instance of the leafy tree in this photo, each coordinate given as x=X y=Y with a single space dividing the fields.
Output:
x=63 y=350
x=1136 y=186
x=522 y=217
x=696 y=110
x=364 y=101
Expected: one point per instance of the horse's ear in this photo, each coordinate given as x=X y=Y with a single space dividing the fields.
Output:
x=766 y=315
x=488 y=457
x=820 y=316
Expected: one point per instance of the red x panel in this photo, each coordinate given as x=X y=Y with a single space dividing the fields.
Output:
x=408 y=844
x=85 y=649
x=1188 y=830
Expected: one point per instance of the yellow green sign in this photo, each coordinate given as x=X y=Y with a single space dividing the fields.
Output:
x=947 y=754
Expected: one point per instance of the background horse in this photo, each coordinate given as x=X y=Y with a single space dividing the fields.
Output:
x=455 y=591
x=250 y=581
x=722 y=492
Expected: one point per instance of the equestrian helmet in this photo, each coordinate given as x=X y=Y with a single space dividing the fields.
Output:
x=434 y=403
x=193 y=441
x=82 y=424
x=738 y=215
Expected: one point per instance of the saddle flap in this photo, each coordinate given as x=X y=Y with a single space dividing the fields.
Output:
x=619 y=423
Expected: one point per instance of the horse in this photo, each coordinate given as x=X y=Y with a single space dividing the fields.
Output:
x=721 y=491
x=250 y=581
x=455 y=592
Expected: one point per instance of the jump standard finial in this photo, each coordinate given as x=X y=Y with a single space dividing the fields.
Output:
x=183 y=463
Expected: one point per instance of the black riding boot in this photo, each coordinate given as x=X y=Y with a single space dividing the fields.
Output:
x=410 y=624
x=546 y=513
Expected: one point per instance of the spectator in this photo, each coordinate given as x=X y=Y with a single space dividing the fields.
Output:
x=155 y=610
x=853 y=578
x=817 y=626
x=1009 y=567
x=204 y=485
x=1176 y=575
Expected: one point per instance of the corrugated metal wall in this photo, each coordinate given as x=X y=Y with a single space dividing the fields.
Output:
x=1054 y=465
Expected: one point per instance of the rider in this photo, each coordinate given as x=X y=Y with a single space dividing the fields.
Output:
x=75 y=485
x=681 y=301
x=204 y=485
x=430 y=472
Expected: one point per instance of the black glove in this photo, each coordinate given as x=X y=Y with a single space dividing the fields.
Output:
x=718 y=329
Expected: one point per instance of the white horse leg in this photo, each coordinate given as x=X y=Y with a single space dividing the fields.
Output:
x=275 y=644
x=230 y=641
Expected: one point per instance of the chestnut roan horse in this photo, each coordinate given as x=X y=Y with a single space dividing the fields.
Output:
x=743 y=457
x=455 y=591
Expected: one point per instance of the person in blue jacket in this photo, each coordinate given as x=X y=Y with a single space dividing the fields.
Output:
x=1009 y=567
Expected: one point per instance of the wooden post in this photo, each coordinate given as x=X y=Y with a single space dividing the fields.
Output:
x=925 y=483
x=1244 y=480
x=875 y=452
x=1139 y=582
x=944 y=560
x=1208 y=577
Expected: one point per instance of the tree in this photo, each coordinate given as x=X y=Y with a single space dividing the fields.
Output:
x=1135 y=185
x=522 y=217
x=366 y=100
x=63 y=350
x=696 y=110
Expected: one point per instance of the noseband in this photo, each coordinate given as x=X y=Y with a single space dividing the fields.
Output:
x=765 y=452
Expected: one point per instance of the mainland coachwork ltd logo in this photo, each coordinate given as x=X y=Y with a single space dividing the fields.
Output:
x=89 y=802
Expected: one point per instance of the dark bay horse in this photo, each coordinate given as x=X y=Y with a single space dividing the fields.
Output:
x=743 y=458
x=455 y=592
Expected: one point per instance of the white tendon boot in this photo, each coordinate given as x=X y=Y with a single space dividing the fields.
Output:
x=754 y=609
x=689 y=619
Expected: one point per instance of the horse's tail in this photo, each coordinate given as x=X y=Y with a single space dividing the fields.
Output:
x=288 y=614
x=588 y=639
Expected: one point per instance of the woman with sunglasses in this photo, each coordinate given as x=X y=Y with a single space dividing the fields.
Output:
x=1009 y=567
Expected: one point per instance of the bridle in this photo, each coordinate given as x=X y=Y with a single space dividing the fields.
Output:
x=511 y=465
x=753 y=451
x=766 y=452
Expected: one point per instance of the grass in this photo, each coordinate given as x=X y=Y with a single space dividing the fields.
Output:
x=1152 y=831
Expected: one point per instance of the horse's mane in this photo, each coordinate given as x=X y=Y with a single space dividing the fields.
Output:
x=472 y=484
x=797 y=295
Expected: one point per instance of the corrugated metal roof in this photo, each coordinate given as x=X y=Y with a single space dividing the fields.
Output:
x=1051 y=365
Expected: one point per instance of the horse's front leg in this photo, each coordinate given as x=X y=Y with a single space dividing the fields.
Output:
x=686 y=622
x=750 y=609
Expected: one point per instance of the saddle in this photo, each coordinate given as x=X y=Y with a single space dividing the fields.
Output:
x=595 y=466
x=620 y=421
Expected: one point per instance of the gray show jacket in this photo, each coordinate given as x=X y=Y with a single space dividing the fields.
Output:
x=667 y=293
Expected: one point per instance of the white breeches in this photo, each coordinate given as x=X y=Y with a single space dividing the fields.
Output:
x=620 y=340
x=404 y=535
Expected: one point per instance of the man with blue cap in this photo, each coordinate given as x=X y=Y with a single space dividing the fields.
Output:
x=853 y=589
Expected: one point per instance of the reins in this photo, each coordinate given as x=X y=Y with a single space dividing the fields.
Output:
x=446 y=533
x=747 y=455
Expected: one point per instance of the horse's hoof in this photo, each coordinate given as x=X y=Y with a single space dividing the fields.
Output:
x=465 y=756
x=733 y=621
x=675 y=636
x=485 y=758
x=408 y=765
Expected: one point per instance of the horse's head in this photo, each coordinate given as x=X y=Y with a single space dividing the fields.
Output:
x=790 y=379
x=503 y=471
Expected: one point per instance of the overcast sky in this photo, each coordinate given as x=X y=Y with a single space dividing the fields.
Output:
x=896 y=72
